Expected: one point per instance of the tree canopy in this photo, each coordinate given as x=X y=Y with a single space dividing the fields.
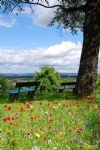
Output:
x=48 y=77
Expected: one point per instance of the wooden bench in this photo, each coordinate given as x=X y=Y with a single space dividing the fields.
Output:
x=67 y=85
x=30 y=91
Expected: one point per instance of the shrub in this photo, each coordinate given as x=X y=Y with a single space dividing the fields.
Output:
x=48 y=77
x=5 y=84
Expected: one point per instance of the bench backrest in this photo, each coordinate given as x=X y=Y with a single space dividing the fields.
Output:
x=68 y=83
x=26 y=84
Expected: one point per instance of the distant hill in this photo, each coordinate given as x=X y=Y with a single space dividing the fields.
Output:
x=30 y=75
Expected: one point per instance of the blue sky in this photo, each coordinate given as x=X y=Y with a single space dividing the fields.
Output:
x=26 y=43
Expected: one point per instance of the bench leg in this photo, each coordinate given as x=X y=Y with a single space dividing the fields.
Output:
x=61 y=90
x=13 y=97
x=30 y=94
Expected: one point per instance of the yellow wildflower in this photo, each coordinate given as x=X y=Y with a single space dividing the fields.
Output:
x=89 y=147
x=9 y=105
x=54 y=107
x=37 y=135
x=60 y=132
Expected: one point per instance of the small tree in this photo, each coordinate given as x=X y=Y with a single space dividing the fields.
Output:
x=48 y=77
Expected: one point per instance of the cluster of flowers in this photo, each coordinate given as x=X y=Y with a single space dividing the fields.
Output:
x=52 y=122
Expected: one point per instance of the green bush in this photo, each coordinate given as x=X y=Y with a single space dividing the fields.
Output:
x=48 y=77
x=5 y=84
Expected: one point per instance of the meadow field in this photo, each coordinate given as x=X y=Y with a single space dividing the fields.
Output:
x=52 y=121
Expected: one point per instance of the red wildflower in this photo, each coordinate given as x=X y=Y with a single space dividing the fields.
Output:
x=50 y=115
x=56 y=102
x=9 y=108
x=66 y=106
x=22 y=109
x=31 y=118
x=78 y=131
x=13 y=118
x=8 y=118
x=44 y=138
x=28 y=105
x=41 y=129
x=13 y=143
x=50 y=120
x=70 y=141
x=40 y=103
x=82 y=143
x=5 y=119
x=5 y=106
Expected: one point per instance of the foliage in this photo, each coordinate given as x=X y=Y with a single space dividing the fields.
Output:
x=68 y=79
x=5 y=84
x=98 y=82
x=72 y=21
x=49 y=78
x=43 y=125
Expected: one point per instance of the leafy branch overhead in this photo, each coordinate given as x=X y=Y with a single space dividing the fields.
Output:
x=68 y=13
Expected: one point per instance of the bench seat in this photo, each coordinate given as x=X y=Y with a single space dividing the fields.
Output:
x=66 y=85
x=21 y=90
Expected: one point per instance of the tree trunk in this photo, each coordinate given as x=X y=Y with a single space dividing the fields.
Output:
x=88 y=69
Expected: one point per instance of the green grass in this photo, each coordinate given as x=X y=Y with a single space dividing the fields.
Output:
x=53 y=121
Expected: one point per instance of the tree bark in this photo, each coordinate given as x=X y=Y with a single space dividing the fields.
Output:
x=87 y=74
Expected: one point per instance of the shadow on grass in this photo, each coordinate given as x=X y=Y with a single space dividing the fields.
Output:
x=52 y=96
x=39 y=96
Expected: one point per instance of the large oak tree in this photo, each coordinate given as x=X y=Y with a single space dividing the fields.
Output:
x=74 y=15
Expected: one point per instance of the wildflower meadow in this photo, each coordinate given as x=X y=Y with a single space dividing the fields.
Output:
x=51 y=124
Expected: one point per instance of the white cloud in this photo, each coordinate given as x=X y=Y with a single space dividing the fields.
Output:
x=6 y=21
x=41 y=16
x=64 y=57
x=44 y=15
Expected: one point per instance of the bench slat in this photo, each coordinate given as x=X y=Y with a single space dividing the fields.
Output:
x=21 y=90
x=66 y=85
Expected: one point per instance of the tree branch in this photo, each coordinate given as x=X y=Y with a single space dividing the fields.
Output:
x=70 y=9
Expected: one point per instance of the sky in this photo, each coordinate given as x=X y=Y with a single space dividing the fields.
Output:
x=27 y=43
